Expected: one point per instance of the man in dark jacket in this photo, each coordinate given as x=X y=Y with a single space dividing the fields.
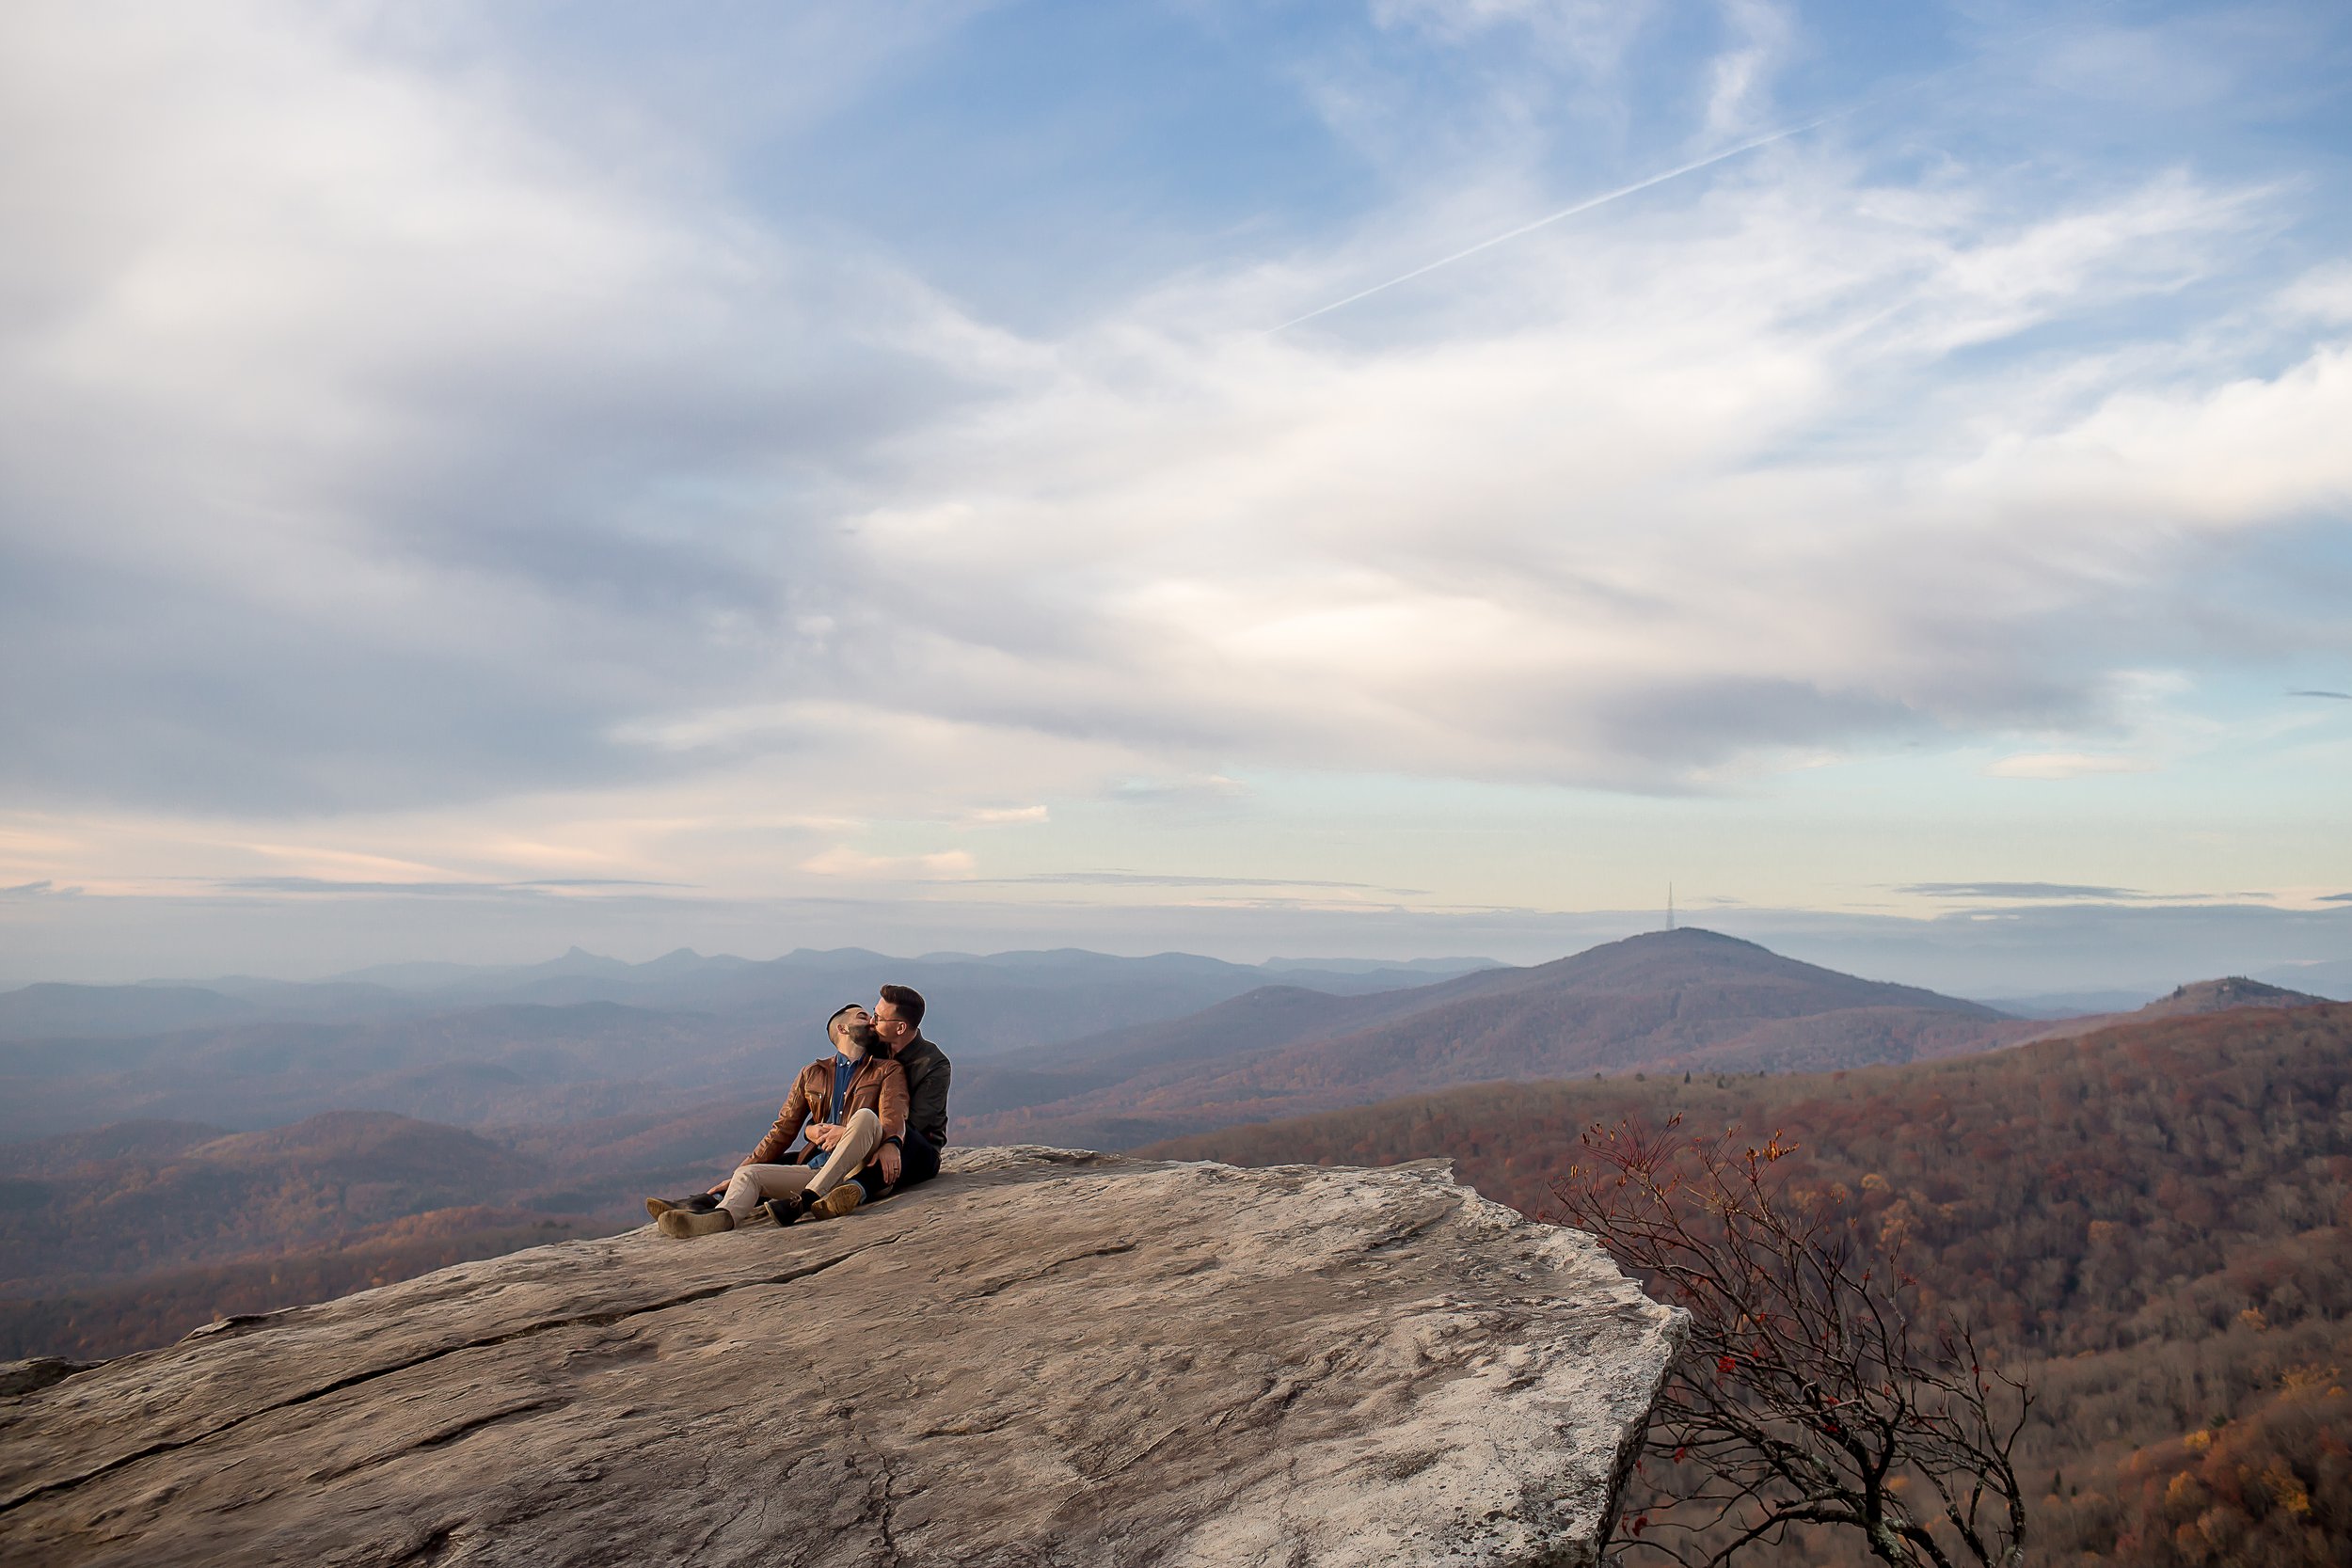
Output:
x=898 y=1021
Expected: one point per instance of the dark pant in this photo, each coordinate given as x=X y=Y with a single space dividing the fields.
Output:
x=919 y=1157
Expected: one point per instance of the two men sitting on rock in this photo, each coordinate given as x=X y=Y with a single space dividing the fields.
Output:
x=873 y=1117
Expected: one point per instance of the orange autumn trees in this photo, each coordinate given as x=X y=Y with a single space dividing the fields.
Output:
x=1815 y=1387
x=2272 y=1489
x=2153 y=1224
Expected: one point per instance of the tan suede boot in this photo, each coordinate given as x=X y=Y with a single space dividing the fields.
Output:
x=677 y=1222
x=837 y=1202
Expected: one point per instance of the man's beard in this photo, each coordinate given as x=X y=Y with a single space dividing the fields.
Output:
x=863 y=1036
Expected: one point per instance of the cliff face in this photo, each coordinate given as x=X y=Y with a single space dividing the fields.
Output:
x=1043 y=1357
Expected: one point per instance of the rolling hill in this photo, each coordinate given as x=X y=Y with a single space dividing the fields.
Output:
x=161 y=1195
x=124 y=1237
x=1685 y=998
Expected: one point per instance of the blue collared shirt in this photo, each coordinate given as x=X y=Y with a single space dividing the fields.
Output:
x=843 y=1070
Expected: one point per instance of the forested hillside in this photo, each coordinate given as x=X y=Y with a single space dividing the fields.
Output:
x=2155 y=1222
x=130 y=1236
x=105 y=1320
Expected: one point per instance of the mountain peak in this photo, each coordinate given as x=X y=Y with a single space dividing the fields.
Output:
x=2231 y=990
x=1690 y=936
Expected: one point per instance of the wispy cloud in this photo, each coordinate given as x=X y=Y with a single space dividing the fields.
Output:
x=842 y=861
x=1153 y=878
x=307 y=885
x=2065 y=764
x=530 y=487
x=1640 y=503
x=1007 y=817
x=42 y=889
x=2027 y=891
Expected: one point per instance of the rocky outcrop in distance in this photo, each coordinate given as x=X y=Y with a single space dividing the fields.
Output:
x=1044 y=1357
x=2193 y=999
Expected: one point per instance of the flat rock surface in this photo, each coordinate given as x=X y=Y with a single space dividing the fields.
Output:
x=1043 y=1357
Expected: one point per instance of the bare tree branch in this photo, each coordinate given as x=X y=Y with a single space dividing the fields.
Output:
x=1815 y=1388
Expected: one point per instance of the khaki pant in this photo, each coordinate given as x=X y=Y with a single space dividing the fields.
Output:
x=752 y=1185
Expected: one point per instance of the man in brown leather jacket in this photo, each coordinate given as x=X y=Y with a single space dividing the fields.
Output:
x=851 y=1105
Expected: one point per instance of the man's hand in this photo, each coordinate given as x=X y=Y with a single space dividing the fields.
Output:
x=821 y=1135
x=888 y=1163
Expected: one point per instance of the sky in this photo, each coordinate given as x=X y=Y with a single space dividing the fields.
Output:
x=1407 y=478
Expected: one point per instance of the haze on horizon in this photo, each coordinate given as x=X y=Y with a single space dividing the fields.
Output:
x=481 y=480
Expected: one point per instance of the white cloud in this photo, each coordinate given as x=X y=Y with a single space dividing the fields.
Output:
x=1633 y=502
x=449 y=432
x=1738 y=96
x=2323 y=294
x=2065 y=764
x=1007 y=817
x=415 y=452
x=842 y=861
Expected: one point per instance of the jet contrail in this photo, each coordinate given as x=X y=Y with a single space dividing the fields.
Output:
x=1901 y=90
x=1584 y=206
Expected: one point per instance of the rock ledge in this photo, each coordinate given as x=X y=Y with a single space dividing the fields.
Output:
x=1044 y=1357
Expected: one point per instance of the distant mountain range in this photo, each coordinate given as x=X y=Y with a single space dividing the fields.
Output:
x=2333 y=980
x=1059 y=1047
x=1002 y=999
x=1680 y=1000
x=578 y=1037
x=285 y=1158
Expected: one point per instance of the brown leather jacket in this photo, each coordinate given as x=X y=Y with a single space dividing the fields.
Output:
x=877 y=1085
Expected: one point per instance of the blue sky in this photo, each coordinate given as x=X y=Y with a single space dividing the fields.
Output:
x=764 y=475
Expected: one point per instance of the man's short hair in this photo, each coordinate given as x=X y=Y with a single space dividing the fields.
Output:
x=846 y=1008
x=907 y=1000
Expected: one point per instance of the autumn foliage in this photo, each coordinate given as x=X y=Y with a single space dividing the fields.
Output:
x=100 y=1321
x=2152 y=1224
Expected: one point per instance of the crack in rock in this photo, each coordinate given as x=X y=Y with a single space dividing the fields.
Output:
x=1000 y=1286
x=440 y=1439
